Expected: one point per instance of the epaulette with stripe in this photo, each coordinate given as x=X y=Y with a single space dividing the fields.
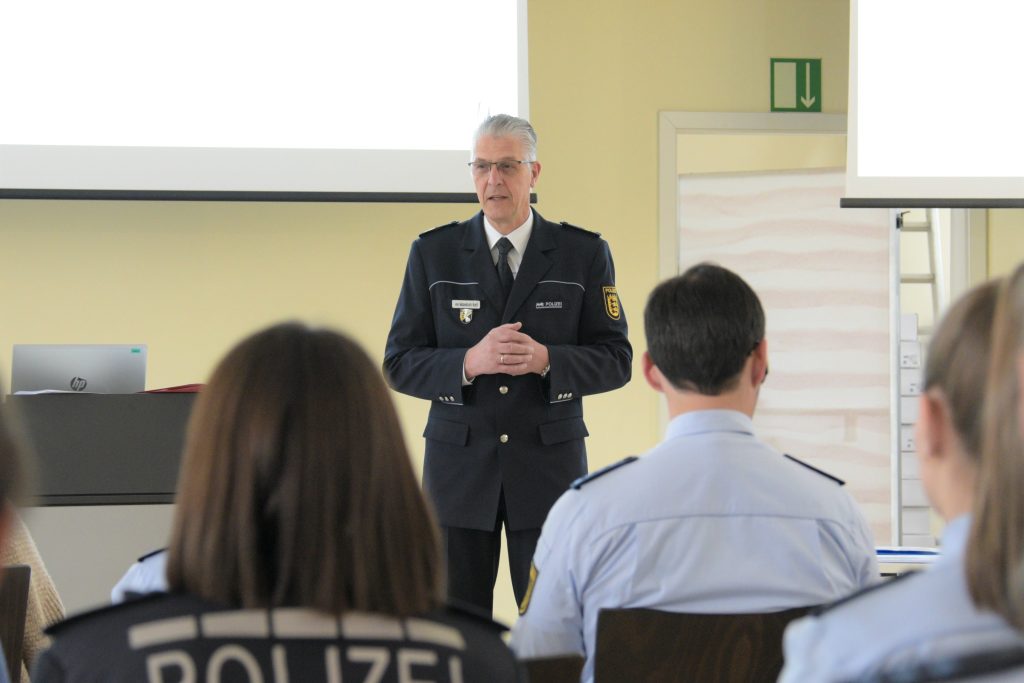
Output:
x=151 y=554
x=824 y=609
x=816 y=470
x=84 y=616
x=464 y=609
x=440 y=227
x=583 y=230
x=586 y=478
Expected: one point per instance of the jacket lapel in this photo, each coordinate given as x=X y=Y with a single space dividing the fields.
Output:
x=534 y=266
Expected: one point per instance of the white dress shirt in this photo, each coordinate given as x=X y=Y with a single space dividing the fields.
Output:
x=518 y=237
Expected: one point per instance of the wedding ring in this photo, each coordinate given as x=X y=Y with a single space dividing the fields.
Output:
x=501 y=359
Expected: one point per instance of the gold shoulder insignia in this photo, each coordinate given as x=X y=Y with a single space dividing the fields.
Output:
x=611 y=302
x=525 y=604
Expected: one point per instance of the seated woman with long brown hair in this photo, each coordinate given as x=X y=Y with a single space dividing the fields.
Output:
x=901 y=626
x=302 y=548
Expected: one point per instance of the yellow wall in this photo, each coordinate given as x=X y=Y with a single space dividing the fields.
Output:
x=600 y=71
x=753 y=153
x=1005 y=240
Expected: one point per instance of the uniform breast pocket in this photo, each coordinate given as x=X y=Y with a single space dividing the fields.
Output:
x=462 y=314
x=553 y=311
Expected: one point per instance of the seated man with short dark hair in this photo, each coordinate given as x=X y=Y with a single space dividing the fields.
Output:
x=712 y=520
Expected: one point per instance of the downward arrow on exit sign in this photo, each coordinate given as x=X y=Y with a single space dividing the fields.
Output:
x=796 y=84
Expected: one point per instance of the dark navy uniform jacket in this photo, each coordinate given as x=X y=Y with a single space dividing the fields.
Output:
x=168 y=638
x=521 y=434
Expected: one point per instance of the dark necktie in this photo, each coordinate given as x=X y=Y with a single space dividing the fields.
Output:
x=504 y=272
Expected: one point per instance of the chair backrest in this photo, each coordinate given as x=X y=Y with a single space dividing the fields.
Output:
x=659 y=647
x=13 y=606
x=561 y=669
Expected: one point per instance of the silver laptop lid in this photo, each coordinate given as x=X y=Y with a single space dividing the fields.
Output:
x=93 y=368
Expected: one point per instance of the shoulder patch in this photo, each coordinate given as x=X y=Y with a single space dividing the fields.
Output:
x=816 y=470
x=151 y=554
x=587 y=478
x=440 y=227
x=583 y=230
x=824 y=609
x=89 y=614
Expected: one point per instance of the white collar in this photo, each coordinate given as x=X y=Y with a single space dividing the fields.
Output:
x=518 y=237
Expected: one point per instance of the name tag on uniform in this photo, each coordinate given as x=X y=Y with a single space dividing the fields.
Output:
x=547 y=305
x=466 y=303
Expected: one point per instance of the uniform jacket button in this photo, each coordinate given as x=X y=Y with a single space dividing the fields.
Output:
x=502 y=389
x=503 y=438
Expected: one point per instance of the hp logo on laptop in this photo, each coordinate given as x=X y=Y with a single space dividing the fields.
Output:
x=78 y=383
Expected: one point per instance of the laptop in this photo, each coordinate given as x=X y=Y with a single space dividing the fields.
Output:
x=90 y=368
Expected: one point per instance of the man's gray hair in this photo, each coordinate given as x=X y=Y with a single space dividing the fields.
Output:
x=504 y=125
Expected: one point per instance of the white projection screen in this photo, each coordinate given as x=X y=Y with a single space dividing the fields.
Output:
x=314 y=99
x=936 y=107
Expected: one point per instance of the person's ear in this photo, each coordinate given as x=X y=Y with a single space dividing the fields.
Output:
x=534 y=173
x=930 y=428
x=652 y=374
x=759 y=368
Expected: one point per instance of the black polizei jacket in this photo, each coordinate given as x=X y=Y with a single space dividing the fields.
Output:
x=163 y=637
x=519 y=434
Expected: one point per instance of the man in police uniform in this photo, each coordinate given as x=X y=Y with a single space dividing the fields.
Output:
x=504 y=322
x=712 y=520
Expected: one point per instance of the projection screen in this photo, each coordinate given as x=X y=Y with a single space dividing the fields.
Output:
x=262 y=98
x=935 y=103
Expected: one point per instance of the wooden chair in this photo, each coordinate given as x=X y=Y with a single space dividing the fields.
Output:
x=13 y=606
x=561 y=669
x=662 y=647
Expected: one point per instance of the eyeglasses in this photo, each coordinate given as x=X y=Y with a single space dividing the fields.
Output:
x=507 y=167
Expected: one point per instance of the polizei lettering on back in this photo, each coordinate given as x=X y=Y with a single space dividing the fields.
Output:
x=296 y=645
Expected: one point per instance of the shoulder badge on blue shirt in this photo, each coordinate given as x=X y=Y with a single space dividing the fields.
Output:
x=818 y=611
x=583 y=230
x=440 y=227
x=815 y=469
x=578 y=484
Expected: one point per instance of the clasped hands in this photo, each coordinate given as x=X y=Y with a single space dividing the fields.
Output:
x=506 y=350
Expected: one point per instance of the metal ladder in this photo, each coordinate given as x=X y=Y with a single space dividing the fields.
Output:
x=925 y=222
x=928 y=271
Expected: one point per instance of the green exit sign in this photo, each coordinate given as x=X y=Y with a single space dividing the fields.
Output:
x=796 y=84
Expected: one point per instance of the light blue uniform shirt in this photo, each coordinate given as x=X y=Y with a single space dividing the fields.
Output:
x=3 y=668
x=925 y=616
x=712 y=520
x=148 y=575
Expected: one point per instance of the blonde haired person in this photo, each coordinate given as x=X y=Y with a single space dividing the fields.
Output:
x=302 y=547
x=995 y=550
x=44 y=603
x=12 y=475
x=920 y=618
